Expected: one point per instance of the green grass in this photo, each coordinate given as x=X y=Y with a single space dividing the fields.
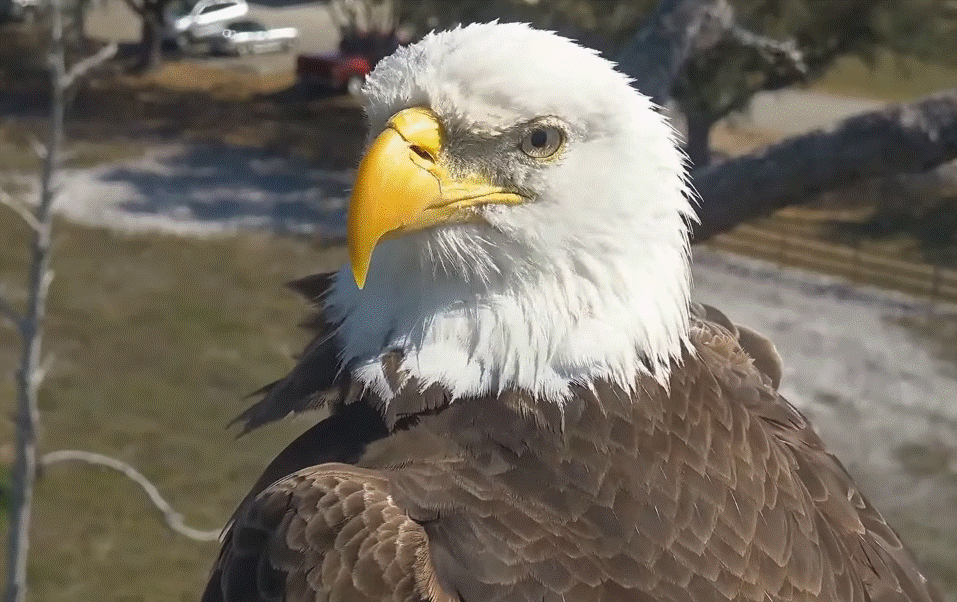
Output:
x=156 y=339
x=891 y=78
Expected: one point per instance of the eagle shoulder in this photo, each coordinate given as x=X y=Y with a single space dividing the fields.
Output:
x=328 y=532
x=759 y=348
x=854 y=541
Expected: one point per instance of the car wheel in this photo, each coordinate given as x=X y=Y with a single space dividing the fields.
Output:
x=354 y=85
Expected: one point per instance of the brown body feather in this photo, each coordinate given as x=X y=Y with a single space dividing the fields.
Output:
x=715 y=488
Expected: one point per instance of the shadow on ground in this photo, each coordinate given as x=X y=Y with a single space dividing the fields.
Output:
x=208 y=188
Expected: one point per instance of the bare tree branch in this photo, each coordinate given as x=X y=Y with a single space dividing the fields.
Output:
x=46 y=281
x=909 y=138
x=774 y=51
x=39 y=149
x=173 y=519
x=31 y=331
x=679 y=29
x=10 y=313
x=22 y=211
x=676 y=29
x=82 y=67
x=40 y=374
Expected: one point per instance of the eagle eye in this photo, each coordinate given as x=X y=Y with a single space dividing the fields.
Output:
x=543 y=141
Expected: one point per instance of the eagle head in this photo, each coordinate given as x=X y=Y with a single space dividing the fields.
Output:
x=520 y=219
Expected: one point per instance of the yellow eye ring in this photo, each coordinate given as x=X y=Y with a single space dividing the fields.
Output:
x=543 y=141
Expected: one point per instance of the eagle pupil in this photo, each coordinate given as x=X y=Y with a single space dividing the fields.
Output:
x=539 y=138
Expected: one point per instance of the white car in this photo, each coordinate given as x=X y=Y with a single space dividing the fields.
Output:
x=244 y=37
x=205 y=18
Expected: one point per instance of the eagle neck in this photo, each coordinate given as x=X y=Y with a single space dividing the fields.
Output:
x=539 y=324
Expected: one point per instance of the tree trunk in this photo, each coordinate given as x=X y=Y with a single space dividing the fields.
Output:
x=676 y=29
x=698 y=140
x=151 y=37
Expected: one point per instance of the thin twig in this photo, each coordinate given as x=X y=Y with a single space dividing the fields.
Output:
x=46 y=281
x=773 y=50
x=173 y=518
x=8 y=312
x=82 y=67
x=40 y=374
x=39 y=149
x=22 y=211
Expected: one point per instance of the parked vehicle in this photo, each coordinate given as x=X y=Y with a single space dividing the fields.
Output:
x=187 y=23
x=244 y=37
x=346 y=70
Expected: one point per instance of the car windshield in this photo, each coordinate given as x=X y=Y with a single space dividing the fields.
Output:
x=215 y=7
x=247 y=26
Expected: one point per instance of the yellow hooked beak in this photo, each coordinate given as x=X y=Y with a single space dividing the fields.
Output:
x=401 y=187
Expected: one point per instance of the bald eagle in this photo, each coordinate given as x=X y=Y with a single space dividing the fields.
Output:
x=524 y=403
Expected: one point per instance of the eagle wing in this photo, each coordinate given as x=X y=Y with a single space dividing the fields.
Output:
x=329 y=532
x=878 y=558
x=315 y=381
x=854 y=534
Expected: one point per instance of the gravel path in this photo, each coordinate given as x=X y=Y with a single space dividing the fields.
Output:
x=878 y=396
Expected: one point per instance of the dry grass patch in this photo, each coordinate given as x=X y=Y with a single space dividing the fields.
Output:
x=156 y=341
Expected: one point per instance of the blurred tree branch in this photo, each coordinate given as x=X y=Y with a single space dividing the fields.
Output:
x=10 y=313
x=660 y=49
x=18 y=207
x=174 y=520
x=151 y=13
x=84 y=66
x=680 y=46
x=29 y=373
x=909 y=138
x=32 y=368
x=679 y=29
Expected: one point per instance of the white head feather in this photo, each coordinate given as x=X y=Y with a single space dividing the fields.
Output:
x=589 y=280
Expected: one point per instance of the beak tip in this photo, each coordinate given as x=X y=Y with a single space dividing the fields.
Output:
x=359 y=259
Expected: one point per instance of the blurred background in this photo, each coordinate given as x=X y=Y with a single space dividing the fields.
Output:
x=207 y=162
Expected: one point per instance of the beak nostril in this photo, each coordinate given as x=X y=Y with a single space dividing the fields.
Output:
x=423 y=153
